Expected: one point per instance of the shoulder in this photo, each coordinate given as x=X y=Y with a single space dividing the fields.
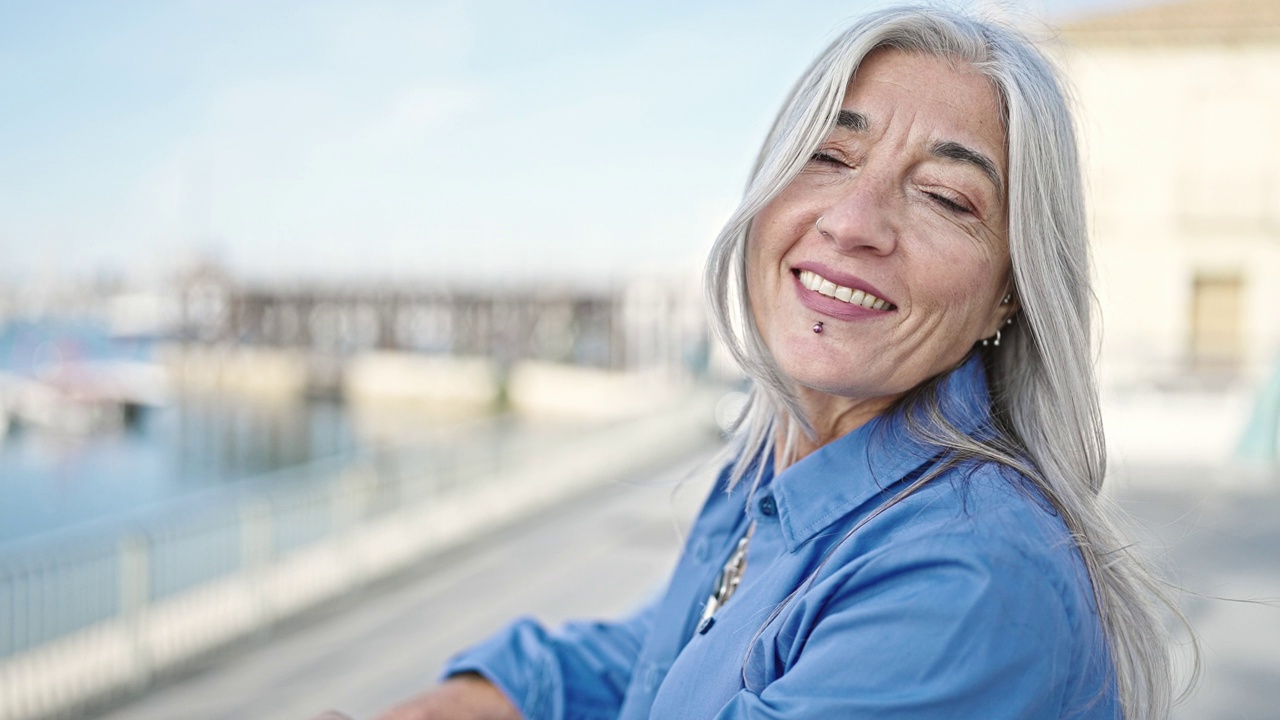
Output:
x=996 y=534
x=979 y=507
x=972 y=581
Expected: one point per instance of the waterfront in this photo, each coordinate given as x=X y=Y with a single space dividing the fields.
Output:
x=196 y=444
x=86 y=623
x=52 y=482
x=56 y=481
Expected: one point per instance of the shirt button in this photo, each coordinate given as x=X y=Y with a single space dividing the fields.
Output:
x=768 y=507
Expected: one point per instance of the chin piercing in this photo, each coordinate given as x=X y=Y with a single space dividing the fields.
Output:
x=817 y=327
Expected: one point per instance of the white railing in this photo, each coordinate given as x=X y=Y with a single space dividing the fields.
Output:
x=86 y=622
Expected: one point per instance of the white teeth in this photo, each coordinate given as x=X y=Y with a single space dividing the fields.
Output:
x=819 y=284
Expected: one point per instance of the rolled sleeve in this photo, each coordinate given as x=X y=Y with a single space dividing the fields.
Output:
x=928 y=630
x=579 y=672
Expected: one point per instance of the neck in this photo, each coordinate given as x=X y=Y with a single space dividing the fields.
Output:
x=832 y=417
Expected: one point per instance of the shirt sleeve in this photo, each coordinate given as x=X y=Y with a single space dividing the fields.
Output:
x=930 y=630
x=579 y=672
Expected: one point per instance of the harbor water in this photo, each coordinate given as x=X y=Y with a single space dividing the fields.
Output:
x=191 y=445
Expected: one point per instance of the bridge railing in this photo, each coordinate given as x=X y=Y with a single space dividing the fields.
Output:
x=90 y=619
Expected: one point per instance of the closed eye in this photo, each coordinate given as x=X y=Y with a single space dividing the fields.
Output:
x=950 y=203
x=826 y=159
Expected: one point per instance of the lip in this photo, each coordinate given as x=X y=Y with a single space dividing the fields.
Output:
x=830 y=306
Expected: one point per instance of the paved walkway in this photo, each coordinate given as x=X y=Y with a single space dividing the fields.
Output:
x=595 y=556
x=600 y=554
x=1222 y=547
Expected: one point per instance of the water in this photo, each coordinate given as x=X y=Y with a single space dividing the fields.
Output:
x=50 y=482
x=30 y=347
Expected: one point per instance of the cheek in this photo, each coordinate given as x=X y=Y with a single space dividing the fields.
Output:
x=969 y=258
x=961 y=286
x=781 y=223
x=765 y=241
x=769 y=239
x=968 y=268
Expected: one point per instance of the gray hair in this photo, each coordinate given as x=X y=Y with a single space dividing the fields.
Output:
x=1044 y=398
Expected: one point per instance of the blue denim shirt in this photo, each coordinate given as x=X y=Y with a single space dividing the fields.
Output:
x=967 y=599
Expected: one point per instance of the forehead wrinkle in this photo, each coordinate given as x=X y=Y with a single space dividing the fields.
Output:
x=861 y=121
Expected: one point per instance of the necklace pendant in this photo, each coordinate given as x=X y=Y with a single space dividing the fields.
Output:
x=728 y=582
x=709 y=609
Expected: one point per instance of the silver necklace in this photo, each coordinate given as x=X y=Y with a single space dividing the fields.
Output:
x=730 y=578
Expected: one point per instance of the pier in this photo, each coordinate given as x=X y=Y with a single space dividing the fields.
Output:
x=313 y=330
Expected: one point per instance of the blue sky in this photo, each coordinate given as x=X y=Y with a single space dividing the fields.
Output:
x=402 y=138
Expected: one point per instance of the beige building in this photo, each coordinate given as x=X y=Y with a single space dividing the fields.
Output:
x=1180 y=123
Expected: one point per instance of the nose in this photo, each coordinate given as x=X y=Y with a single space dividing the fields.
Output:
x=861 y=219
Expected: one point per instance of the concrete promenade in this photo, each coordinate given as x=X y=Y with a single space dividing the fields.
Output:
x=600 y=553
x=1221 y=545
x=595 y=556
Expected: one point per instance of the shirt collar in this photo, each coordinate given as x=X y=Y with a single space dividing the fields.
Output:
x=841 y=476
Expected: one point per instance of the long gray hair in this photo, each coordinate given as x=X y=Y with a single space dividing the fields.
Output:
x=1044 y=398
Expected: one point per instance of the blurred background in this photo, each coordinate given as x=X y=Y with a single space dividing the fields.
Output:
x=322 y=319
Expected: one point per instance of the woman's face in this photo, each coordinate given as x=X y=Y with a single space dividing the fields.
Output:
x=910 y=187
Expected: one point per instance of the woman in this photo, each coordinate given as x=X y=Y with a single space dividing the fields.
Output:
x=911 y=527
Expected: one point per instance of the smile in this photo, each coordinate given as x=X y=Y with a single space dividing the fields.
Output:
x=823 y=286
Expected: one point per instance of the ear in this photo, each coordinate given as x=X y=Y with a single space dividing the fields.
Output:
x=1003 y=313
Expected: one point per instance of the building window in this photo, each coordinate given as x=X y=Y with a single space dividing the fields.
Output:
x=1217 y=323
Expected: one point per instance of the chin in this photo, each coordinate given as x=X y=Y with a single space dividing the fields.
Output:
x=832 y=378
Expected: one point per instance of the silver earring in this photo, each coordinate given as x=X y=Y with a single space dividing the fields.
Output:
x=987 y=342
x=1007 y=296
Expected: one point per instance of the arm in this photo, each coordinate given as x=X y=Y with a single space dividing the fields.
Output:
x=933 y=629
x=460 y=697
x=581 y=670
x=524 y=671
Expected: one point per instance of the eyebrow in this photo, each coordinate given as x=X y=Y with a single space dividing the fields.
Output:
x=851 y=120
x=949 y=150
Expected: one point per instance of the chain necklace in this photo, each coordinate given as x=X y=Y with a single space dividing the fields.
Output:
x=730 y=577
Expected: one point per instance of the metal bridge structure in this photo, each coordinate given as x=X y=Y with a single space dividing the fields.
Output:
x=639 y=326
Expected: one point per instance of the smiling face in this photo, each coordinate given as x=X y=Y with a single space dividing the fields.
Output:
x=911 y=260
